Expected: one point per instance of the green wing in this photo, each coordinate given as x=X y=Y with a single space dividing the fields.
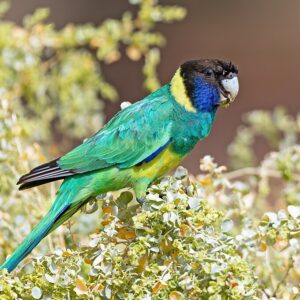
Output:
x=132 y=136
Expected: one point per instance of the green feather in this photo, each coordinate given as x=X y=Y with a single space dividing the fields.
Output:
x=130 y=137
x=112 y=158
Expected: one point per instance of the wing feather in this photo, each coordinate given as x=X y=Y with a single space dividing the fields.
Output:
x=127 y=140
x=135 y=135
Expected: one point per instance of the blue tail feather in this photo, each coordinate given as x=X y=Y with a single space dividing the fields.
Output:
x=69 y=199
x=33 y=239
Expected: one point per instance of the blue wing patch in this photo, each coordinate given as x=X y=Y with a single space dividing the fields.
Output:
x=154 y=154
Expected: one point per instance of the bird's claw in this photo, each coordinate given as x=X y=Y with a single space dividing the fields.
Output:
x=141 y=200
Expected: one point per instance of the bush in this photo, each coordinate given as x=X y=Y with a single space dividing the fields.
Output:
x=176 y=247
x=45 y=93
x=220 y=235
x=41 y=74
x=209 y=237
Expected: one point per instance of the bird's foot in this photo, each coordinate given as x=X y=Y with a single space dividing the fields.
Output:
x=141 y=200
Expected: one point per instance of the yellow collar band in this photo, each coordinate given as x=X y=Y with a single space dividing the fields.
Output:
x=179 y=92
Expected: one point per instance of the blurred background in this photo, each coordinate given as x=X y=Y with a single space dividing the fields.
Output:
x=261 y=37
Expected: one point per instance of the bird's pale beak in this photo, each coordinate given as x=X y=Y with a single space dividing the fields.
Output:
x=229 y=90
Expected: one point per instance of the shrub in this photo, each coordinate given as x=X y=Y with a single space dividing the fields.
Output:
x=41 y=74
x=220 y=235
x=45 y=93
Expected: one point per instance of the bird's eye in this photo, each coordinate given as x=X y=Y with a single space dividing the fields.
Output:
x=230 y=75
x=208 y=72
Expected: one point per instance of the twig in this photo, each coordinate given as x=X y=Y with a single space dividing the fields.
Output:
x=50 y=243
x=165 y=271
x=283 y=279
x=251 y=171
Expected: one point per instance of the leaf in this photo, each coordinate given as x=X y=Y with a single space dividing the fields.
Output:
x=98 y=260
x=50 y=278
x=107 y=221
x=126 y=234
x=159 y=285
x=294 y=211
x=227 y=225
x=67 y=252
x=174 y=295
x=181 y=172
x=184 y=229
x=98 y=287
x=143 y=262
x=81 y=288
x=107 y=210
x=36 y=292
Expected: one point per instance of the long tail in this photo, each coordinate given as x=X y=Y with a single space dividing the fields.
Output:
x=33 y=239
x=58 y=214
x=45 y=173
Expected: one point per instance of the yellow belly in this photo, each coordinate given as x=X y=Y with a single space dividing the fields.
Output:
x=159 y=166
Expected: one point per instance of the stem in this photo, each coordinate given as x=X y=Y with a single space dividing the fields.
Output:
x=283 y=279
x=252 y=171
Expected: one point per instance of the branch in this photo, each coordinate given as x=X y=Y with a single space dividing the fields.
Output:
x=252 y=171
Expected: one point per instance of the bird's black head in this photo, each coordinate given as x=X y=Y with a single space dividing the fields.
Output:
x=205 y=84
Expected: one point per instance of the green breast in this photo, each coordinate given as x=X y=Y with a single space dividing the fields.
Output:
x=189 y=129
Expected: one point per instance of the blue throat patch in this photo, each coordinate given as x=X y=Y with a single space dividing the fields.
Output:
x=205 y=95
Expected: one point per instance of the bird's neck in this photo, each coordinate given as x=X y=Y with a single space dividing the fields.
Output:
x=178 y=91
x=189 y=129
x=196 y=95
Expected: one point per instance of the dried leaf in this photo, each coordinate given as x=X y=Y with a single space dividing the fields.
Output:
x=81 y=288
x=126 y=234
x=159 y=285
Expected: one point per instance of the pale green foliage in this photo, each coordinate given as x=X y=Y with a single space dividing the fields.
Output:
x=19 y=211
x=55 y=75
x=209 y=237
x=278 y=129
x=51 y=86
x=173 y=246
x=266 y=228
x=216 y=236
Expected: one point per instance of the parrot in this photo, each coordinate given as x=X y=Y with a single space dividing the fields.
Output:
x=140 y=144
